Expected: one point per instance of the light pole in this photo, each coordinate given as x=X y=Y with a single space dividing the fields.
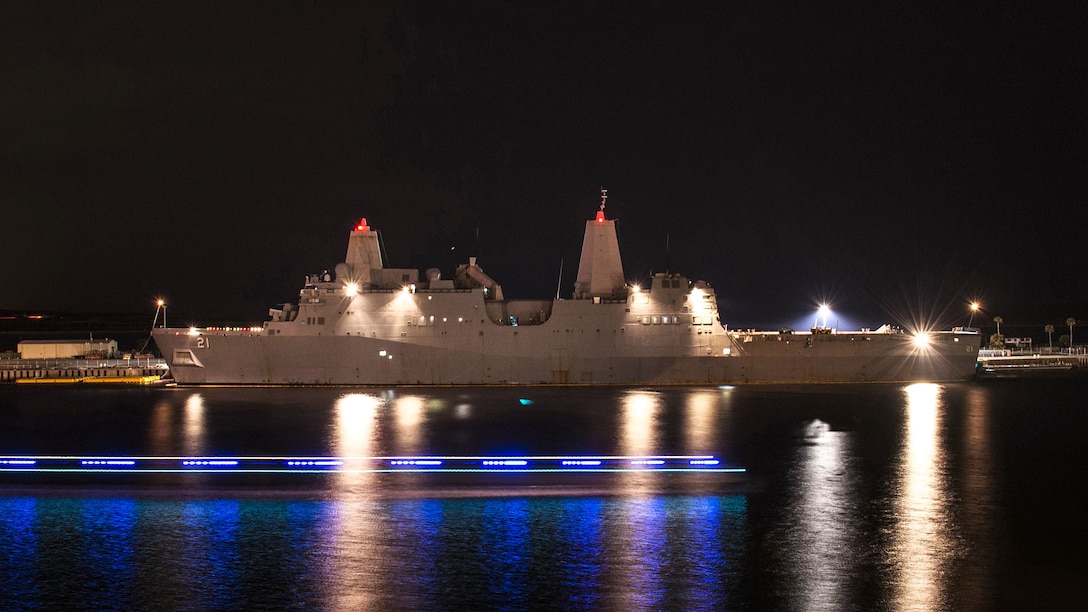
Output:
x=974 y=309
x=160 y=305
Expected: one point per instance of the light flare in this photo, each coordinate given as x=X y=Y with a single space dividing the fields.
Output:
x=922 y=340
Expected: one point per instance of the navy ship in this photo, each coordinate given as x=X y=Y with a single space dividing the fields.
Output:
x=367 y=324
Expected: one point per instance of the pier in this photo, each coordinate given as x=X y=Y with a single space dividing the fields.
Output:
x=88 y=371
x=1014 y=362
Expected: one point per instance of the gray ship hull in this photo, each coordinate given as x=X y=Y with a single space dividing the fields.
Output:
x=536 y=356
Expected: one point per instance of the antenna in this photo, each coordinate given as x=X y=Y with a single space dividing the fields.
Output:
x=559 y=285
x=600 y=213
x=667 y=252
x=381 y=248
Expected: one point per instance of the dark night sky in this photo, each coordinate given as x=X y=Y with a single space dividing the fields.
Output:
x=896 y=160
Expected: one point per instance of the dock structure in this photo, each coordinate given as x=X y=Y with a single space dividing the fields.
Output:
x=1012 y=362
x=140 y=371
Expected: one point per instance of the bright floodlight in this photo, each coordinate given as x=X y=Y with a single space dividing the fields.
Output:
x=921 y=340
x=974 y=308
x=351 y=288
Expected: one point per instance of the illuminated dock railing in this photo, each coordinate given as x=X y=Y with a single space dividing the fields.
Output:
x=479 y=464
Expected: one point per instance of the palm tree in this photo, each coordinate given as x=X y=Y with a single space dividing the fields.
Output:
x=1070 y=322
x=997 y=341
x=1049 y=329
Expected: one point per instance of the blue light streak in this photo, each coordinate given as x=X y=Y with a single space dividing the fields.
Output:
x=210 y=463
x=315 y=465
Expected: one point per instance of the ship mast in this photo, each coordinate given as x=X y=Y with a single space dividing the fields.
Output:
x=600 y=271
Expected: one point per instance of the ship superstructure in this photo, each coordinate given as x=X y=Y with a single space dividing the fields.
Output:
x=367 y=324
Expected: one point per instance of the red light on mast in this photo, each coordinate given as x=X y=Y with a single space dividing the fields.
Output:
x=604 y=198
x=362 y=226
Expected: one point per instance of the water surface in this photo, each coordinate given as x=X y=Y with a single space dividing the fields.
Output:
x=856 y=497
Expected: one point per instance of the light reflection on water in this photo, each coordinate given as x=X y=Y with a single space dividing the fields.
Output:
x=821 y=520
x=638 y=425
x=981 y=510
x=21 y=549
x=161 y=431
x=353 y=433
x=212 y=533
x=410 y=417
x=923 y=543
x=558 y=553
x=703 y=410
x=869 y=497
x=193 y=443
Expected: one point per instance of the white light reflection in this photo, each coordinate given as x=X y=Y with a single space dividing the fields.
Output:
x=408 y=412
x=822 y=519
x=702 y=414
x=352 y=527
x=356 y=417
x=638 y=423
x=353 y=435
x=640 y=553
x=193 y=426
x=922 y=542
